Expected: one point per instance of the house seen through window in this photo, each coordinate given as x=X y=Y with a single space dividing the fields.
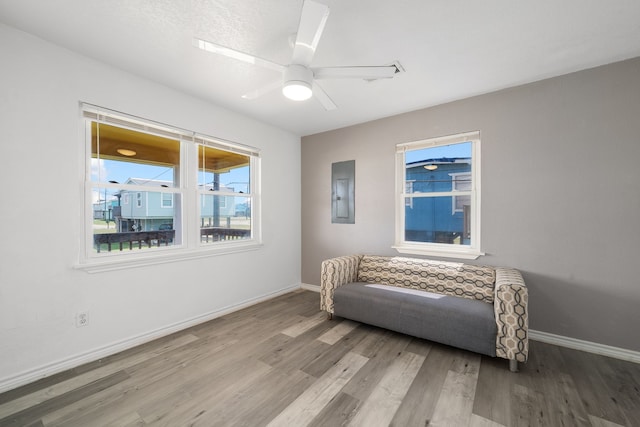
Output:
x=154 y=187
x=439 y=196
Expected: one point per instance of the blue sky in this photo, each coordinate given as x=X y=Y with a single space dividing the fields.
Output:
x=454 y=150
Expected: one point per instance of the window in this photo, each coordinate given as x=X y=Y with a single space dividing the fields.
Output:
x=224 y=191
x=160 y=192
x=438 y=196
x=167 y=200
x=460 y=182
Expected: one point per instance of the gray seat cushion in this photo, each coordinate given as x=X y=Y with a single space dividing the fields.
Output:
x=459 y=322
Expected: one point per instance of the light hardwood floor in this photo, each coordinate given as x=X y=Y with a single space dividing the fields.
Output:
x=282 y=363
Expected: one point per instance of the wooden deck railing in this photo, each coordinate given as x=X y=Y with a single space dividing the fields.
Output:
x=221 y=233
x=159 y=237
x=149 y=238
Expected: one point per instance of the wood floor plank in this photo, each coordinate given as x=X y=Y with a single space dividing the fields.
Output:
x=262 y=402
x=200 y=407
x=494 y=391
x=333 y=353
x=338 y=412
x=478 y=421
x=201 y=390
x=418 y=405
x=623 y=384
x=149 y=375
x=593 y=386
x=385 y=399
x=305 y=324
x=37 y=411
x=599 y=422
x=420 y=346
x=338 y=332
x=88 y=377
x=296 y=354
x=71 y=414
x=530 y=408
x=309 y=404
x=127 y=420
x=455 y=404
x=389 y=348
x=565 y=406
x=375 y=339
x=240 y=370
x=27 y=389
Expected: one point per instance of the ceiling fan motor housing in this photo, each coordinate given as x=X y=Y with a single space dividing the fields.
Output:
x=298 y=81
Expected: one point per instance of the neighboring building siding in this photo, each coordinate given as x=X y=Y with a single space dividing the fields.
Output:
x=144 y=210
x=434 y=219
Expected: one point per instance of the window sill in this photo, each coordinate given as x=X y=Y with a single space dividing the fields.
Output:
x=125 y=261
x=444 y=251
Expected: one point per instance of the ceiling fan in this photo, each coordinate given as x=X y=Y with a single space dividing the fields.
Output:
x=299 y=78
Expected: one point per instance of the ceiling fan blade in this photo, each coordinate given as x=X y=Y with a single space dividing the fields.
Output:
x=364 y=72
x=236 y=54
x=312 y=21
x=323 y=98
x=263 y=90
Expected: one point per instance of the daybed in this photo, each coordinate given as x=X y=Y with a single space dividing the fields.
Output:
x=477 y=308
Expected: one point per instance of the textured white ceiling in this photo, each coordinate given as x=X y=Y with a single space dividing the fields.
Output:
x=450 y=49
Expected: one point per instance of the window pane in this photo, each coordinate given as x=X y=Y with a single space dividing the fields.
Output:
x=223 y=170
x=224 y=217
x=433 y=169
x=430 y=220
x=167 y=200
x=132 y=220
x=461 y=181
x=124 y=156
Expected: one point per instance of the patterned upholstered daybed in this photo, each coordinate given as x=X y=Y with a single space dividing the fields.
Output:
x=477 y=308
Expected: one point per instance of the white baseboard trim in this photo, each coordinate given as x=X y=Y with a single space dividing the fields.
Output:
x=588 y=346
x=35 y=374
x=308 y=287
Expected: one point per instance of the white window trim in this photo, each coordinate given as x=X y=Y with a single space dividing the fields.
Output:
x=191 y=247
x=162 y=199
x=472 y=251
x=410 y=201
x=454 y=177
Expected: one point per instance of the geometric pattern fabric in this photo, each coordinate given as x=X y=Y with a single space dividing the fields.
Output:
x=512 y=299
x=443 y=277
x=502 y=287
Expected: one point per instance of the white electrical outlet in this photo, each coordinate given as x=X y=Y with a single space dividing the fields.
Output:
x=82 y=318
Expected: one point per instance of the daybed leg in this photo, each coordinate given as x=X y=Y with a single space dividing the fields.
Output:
x=513 y=365
x=329 y=316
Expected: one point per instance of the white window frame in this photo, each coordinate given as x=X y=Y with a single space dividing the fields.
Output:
x=170 y=200
x=471 y=251
x=188 y=243
x=454 y=182
x=408 y=202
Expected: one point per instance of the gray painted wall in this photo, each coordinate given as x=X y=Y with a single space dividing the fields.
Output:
x=560 y=194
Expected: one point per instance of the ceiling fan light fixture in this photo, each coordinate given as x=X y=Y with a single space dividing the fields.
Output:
x=297 y=82
x=297 y=91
